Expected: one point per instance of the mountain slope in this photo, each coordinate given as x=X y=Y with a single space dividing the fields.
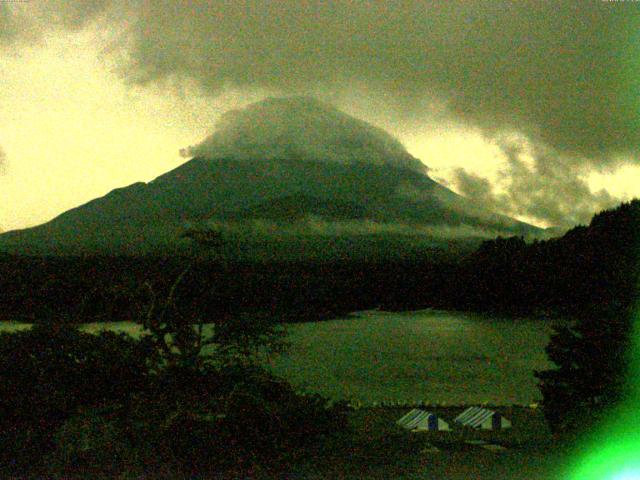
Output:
x=145 y=217
x=297 y=207
x=281 y=160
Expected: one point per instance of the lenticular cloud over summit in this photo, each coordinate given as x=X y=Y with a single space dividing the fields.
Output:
x=301 y=128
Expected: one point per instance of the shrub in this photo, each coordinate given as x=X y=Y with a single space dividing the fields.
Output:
x=48 y=372
x=93 y=438
x=257 y=421
x=592 y=363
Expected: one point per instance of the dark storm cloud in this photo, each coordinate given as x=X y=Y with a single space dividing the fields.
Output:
x=8 y=24
x=73 y=14
x=565 y=73
x=475 y=187
x=24 y=21
x=544 y=187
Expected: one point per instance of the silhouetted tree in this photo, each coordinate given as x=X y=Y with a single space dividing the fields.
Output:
x=591 y=374
x=212 y=406
x=592 y=355
x=186 y=336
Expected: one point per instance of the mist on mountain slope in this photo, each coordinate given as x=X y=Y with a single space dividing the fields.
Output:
x=318 y=226
x=301 y=128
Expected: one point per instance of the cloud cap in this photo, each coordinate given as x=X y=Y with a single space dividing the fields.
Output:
x=303 y=128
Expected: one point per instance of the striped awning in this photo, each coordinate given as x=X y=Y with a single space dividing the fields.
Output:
x=412 y=419
x=474 y=416
x=418 y=420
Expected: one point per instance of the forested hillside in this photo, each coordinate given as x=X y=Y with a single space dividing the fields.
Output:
x=590 y=270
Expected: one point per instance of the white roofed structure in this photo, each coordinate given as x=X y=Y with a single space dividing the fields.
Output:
x=418 y=420
x=483 y=418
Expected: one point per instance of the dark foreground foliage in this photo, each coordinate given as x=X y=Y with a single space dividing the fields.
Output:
x=48 y=373
x=104 y=405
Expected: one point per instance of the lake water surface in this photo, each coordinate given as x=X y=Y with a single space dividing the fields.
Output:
x=427 y=355
x=431 y=356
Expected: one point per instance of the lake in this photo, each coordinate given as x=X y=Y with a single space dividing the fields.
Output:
x=428 y=355
x=431 y=356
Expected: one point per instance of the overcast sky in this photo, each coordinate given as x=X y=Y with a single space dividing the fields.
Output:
x=530 y=107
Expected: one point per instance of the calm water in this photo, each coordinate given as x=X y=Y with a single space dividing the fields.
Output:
x=426 y=355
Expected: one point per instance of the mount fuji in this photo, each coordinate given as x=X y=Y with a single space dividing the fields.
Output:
x=283 y=167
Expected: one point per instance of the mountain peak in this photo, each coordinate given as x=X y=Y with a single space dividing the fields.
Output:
x=301 y=128
x=280 y=160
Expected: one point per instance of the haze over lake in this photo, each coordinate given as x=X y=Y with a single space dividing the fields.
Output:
x=427 y=355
